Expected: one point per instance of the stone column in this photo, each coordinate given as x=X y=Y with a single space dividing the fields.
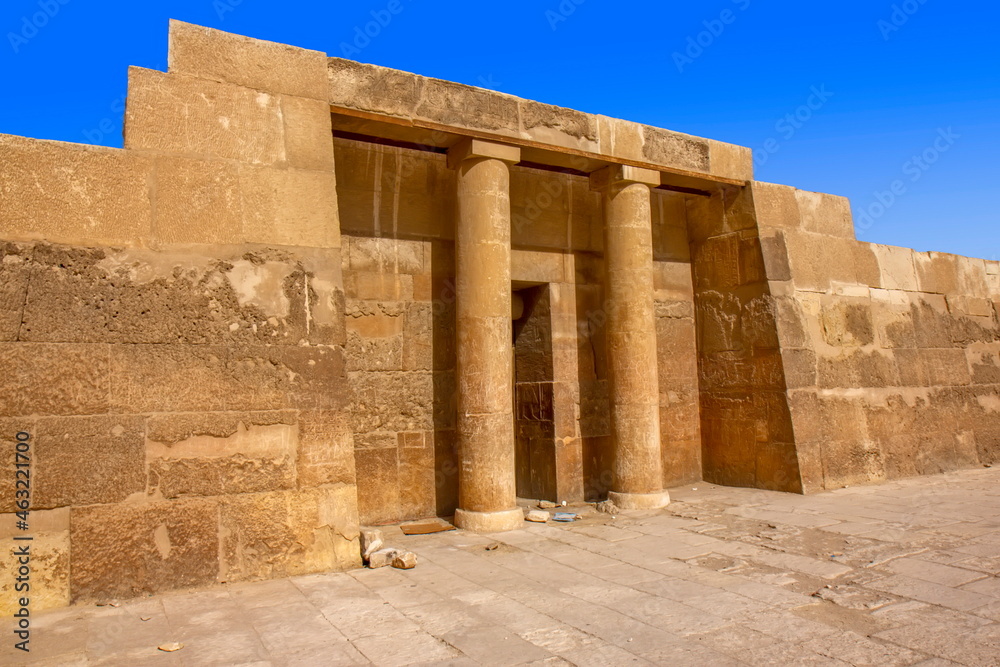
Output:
x=487 y=488
x=631 y=336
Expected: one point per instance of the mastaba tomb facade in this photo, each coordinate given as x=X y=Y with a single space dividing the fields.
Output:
x=311 y=294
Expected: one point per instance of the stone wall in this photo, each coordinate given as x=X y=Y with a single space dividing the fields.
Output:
x=747 y=437
x=892 y=357
x=234 y=340
x=173 y=331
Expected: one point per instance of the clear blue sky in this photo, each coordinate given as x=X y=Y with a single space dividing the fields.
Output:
x=898 y=74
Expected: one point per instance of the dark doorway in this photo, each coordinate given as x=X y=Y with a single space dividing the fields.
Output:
x=534 y=420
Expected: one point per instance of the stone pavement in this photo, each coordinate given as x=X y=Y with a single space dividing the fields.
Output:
x=899 y=574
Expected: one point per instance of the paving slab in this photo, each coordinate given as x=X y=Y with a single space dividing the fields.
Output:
x=899 y=574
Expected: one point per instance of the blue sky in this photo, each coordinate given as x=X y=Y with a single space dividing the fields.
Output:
x=853 y=98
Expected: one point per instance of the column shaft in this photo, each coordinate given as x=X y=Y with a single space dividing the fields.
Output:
x=631 y=342
x=486 y=482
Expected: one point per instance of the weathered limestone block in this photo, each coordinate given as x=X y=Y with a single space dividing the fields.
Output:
x=730 y=161
x=378 y=484
x=777 y=467
x=937 y=272
x=50 y=549
x=893 y=319
x=308 y=133
x=847 y=322
x=88 y=460
x=776 y=205
x=729 y=451
x=716 y=263
x=759 y=323
x=620 y=138
x=774 y=254
x=986 y=429
x=674 y=149
x=972 y=306
x=681 y=460
x=897 y=267
x=426 y=345
x=386 y=255
x=866 y=264
x=416 y=475
x=818 y=418
x=53 y=379
x=412 y=407
x=912 y=372
x=946 y=367
x=676 y=349
x=375 y=353
x=295 y=207
x=222 y=378
x=673 y=281
x=932 y=322
x=15 y=270
x=912 y=434
x=224 y=454
x=825 y=214
x=464 y=106
x=174 y=113
x=382 y=558
x=853 y=462
x=817 y=260
x=719 y=325
x=373 y=88
x=973 y=278
x=558 y=126
x=674 y=310
x=9 y=428
x=984 y=362
x=370 y=286
x=141 y=296
x=800 y=367
x=670 y=234
x=728 y=371
x=65 y=193
x=792 y=322
x=539 y=267
x=270 y=535
x=326 y=449
x=993 y=278
x=550 y=210
x=857 y=368
x=382 y=188
x=127 y=550
x=253 y=63
x=198 y=201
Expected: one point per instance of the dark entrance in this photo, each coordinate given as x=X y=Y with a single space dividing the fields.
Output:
x=534 y=420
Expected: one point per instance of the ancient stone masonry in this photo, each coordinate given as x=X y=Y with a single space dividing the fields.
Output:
x=311 y=294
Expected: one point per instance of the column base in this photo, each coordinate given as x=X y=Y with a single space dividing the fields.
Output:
x=639 y=501
x=490 y=522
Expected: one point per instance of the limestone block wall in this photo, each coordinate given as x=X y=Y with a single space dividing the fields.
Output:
x=174 y=335
x=747 y=435
x=676 y=342
x=397 y=209
x=892 y=357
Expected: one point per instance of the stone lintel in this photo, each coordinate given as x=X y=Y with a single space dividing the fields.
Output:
x=604 y=178
x=477 y=148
